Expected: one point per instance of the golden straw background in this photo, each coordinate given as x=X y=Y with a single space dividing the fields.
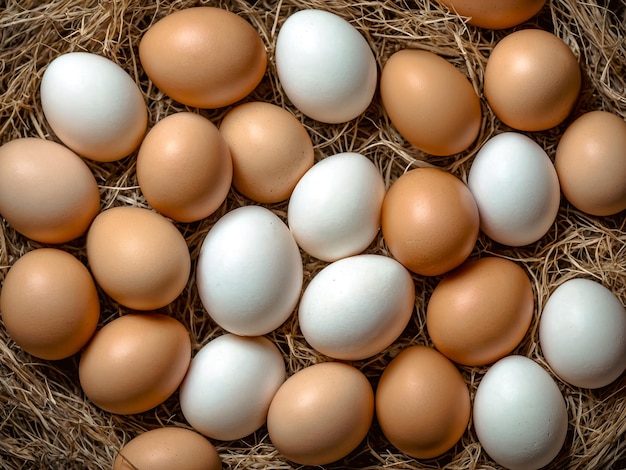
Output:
x=45 y=420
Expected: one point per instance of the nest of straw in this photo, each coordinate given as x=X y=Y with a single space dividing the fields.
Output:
x=46 y=421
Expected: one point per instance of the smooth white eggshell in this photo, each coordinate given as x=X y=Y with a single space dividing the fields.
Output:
x=582 y=333
x=519 y=414
x=230 y=384
x=516 y=189
x=357 y=306
x=249 y=273
x=93 y=106
x=334 y=210
x=325 y=66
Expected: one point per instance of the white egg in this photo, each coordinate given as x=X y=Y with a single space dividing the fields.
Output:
x=325 y=66
x=357 y=306
x=516 y=189
x=249 y=273
x=582 y=333
x=519 y=414
x=334 y=210
x=93 y=106
x=229 y=386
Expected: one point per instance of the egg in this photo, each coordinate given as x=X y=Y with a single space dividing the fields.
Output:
x=422 y=402
x=519 y=414
x=590 y=163
x=270 y=148
x=430 y=221
x=167 y=448
x=93 y=106
x=430 y=102
x=249 y=273
x=135 y=362
x=357 y=306
x=138 y=257
x=481 y=311
x=516 y=188
x=582 y=333
x=495 y=14
x=49 y=303
x=334 y=210
x=184 y=167
x=206 y=57
x=230 y=384
x=532 y=80
x=321 y=413
x=325 y=66
x=47 y=192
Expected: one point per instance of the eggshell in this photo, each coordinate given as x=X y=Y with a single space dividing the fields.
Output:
x=532 y=80
x=430 y=221
x=516 y=189
x=249 y=273
x=47 y=192
x=325 y=66
x=519 y=414
x=230 y=384
x=590 y=163
x=135 y=362
x=481 y=311
x=430 y=102
x=167 y=448
x=270 y=148
x=138 y=257
x=184 y=168
x=495 y=14
x=422 y=402
x=334 y=210
x=321 y=413
x=49 y=303
x=93 y=106
x=206 y=57
x=582 y=333
x=357 y=306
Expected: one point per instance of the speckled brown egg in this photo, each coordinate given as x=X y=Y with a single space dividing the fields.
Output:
x=481 y=311
x=135 y=362
x=532 y=80
x=206 y=57
x=422 y=403
x=47 y=192
x=168 y=448
x=430 y=221
x=49 y=303
x=495 y=14
x=184 y=167
x=270 y=148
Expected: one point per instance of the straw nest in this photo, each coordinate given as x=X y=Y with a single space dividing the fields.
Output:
x=46 y=421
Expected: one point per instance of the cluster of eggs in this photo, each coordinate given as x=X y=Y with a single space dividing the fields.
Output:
x=249 y=272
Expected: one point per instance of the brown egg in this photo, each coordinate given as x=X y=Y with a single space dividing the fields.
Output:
x=184 y=167
x=135 y=362
x=270 y=148
x=49 y=303
x=429 y=221
x=495 y=14
x=206 y=57
x=591 y=163
x=47 y=192
x=480 y=312
x=321 y=413
x=168 y=448
x=422 y=403
x=138 y=257
x=430 y=102
x=532 y=80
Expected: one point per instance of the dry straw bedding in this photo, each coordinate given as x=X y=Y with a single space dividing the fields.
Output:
x=45 y=420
